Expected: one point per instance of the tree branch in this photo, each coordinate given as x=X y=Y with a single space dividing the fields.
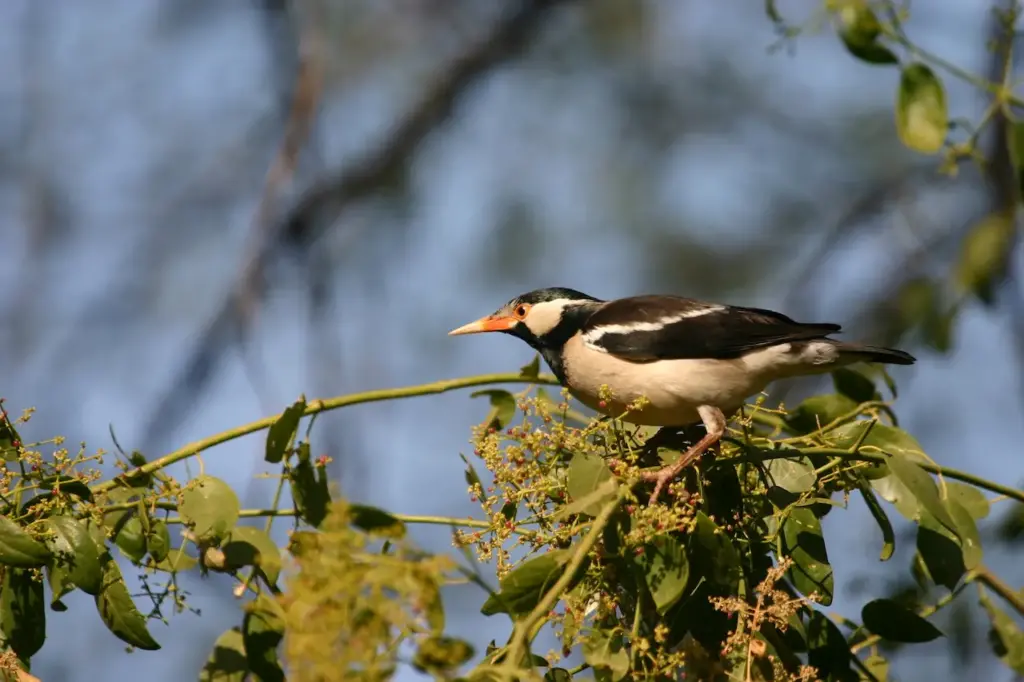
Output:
x=508 y=37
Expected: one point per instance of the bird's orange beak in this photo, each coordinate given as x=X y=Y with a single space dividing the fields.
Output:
x=491 y=323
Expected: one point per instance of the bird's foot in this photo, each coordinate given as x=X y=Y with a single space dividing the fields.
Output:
x=664 y=476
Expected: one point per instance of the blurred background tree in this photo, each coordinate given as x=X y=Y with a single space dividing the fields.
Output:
x=427 y=159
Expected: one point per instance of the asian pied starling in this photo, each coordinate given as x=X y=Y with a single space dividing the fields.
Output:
x=692 y=361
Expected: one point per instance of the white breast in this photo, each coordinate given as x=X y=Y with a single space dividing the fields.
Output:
x=676 y=388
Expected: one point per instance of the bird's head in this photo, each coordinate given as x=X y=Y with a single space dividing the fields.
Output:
x=544 y=318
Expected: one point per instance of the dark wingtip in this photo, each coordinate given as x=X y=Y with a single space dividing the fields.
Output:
x=888 y=356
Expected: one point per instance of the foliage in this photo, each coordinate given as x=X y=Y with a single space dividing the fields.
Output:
x=727 y=578
x=878 y=34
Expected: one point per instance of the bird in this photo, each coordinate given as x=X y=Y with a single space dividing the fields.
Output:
x=693 y=361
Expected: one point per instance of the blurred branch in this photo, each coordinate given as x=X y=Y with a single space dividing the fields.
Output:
x=507 y=38
x=325 y=405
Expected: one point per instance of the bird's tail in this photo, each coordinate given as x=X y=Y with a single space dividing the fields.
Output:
x=857 y=352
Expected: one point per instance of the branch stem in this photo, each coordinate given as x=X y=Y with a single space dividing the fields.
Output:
x=326 y=405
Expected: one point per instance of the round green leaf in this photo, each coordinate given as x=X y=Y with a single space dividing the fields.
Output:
x=22 y=612
x=827 y=649
x=210 y=507
x=262 y=631
x=18 y=548
x=227 y=660
x=711 y=552
x=985 y=254
x=968 y=496
x=794 y=475
x=118 y=611
x=920 y=483
x=940 y=552
x=818 y=411
x=859 y=30
x=158 y=541
x=523 y=587
x=606 y=653
x=376 y=521
x=585 y=477
x=922 y=119
x=855 y=384
x=249 y=546
x=897 y=623
x=438 y=654
x=503 y=406
x=75 y=553
x=665 y=570
x=803 y=542
x=130 y=537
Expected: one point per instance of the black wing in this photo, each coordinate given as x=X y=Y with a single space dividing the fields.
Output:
x=646 y=328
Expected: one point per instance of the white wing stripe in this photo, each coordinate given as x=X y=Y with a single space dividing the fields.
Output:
x=592 y=336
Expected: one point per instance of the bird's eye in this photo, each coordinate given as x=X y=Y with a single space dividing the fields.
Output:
x=520 y=311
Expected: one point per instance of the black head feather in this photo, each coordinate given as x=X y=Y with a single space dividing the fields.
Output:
x=552 y=294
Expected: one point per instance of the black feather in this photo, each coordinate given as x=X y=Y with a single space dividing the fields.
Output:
x=718 y=332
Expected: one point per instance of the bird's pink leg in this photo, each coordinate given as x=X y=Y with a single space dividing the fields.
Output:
x=714 y=421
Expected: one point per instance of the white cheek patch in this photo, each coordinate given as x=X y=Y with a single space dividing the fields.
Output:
x=543 y=317
x=595 y=334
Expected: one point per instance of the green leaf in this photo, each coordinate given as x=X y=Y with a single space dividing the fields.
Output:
x=940 y=552
x=118 y=611
x=18 y=548
x=665 y=569
x=859 y=30
x=967 y=532
x=262 y=631
x=22 y=612
x=881 y=438
x=818 y=411
x=523 y=587
x=10 y=441
x=803 y=542
x=794 y=475
x=827 y=649
x=531 y=370
x=310 y=493
x=158 y=541
x=896 y=623
x=227 y=660
x=713 y=554
x=920 y=483
x=249 y=546
x=585 y=478
x=606 y=653
x=129 y=536
x=439 y=654
x=75 y=555
x=503 y=407
x=985 y=255
x=282 y=432
x=210 y=508
x=855 y=384
x=557 y=675
x=881 y=518
x=67 y=485
x=969 y=497
x=376 y=521
x=922 y=118
x=1005 y=636
x=1016 y=144
x=472 y=478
